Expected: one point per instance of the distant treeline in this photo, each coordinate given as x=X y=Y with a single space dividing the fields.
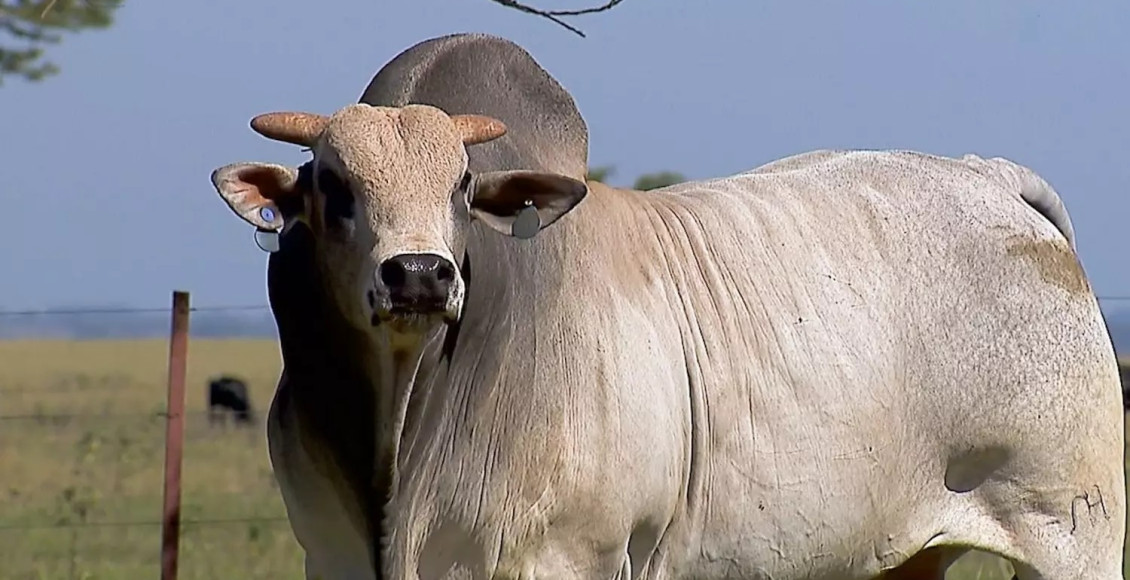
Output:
x=96 y=325
x=259 y=323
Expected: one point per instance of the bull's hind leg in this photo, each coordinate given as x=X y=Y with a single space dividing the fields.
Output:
x=1061 y=513
x=1084 y=542
x=929 y=564
x=1055 y=512
x=1064 y=503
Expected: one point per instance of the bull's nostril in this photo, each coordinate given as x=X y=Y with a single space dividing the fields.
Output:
x=393 y=274
x=445 y=272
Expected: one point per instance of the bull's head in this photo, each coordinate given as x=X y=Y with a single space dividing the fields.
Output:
x=389 y=198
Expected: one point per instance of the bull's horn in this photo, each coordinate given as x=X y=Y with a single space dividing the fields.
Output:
x=478 y=128
x=297 y=128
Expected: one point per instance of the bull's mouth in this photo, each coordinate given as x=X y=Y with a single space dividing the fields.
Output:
x=412 y=316
x=422 y=308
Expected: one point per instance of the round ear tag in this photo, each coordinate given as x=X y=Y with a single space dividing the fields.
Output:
x=527 y=224
x=267 y=240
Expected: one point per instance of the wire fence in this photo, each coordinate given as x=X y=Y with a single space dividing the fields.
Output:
x=82 y=434
x=128 y=310
x=13 y=313
x=82 y=450
x=203 y=521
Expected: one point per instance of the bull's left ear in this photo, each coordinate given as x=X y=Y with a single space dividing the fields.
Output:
x=522 y=203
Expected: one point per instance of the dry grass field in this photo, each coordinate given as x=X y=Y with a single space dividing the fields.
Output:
x=81 y=457
x=88 y=449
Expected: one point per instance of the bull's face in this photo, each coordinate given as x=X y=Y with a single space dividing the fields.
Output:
x=389 y=199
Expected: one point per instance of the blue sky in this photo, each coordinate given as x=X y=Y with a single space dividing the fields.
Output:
x=105 y=167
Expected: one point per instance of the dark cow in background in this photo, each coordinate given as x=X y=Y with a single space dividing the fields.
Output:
x=228 y=393
x=1124 y=374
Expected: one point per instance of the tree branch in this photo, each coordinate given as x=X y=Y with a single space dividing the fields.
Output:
x=556 y=15
x=47 y=9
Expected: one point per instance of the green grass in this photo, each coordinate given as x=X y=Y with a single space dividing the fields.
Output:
x=100 y=467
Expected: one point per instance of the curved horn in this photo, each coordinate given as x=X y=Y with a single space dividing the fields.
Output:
x=297 y=128
x=478 y=128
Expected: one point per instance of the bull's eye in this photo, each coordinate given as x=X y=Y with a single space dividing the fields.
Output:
x=339 y=200
x=465 y=182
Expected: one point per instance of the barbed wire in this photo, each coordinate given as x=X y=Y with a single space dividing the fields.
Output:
x=161 y=414
x=184 y=522
x=124 y=385
x=246 y=308
x=129 y=310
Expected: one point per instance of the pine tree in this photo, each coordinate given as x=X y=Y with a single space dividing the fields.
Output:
x=28 y=26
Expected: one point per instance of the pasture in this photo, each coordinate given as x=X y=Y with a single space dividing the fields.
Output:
x=81 y=457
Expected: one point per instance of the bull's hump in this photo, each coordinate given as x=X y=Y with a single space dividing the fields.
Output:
x=489 y=75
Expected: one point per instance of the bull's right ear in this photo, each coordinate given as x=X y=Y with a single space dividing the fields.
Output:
x=254 y=191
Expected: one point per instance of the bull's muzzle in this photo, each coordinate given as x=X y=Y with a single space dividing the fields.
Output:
x=417 y=284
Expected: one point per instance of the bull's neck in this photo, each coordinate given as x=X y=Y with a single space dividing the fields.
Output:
x=394 y=373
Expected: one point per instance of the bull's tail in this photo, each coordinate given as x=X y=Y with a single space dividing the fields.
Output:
x=1036 y=192
x=1040 y=195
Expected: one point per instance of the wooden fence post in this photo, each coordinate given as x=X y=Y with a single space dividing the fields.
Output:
x=174 y=435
